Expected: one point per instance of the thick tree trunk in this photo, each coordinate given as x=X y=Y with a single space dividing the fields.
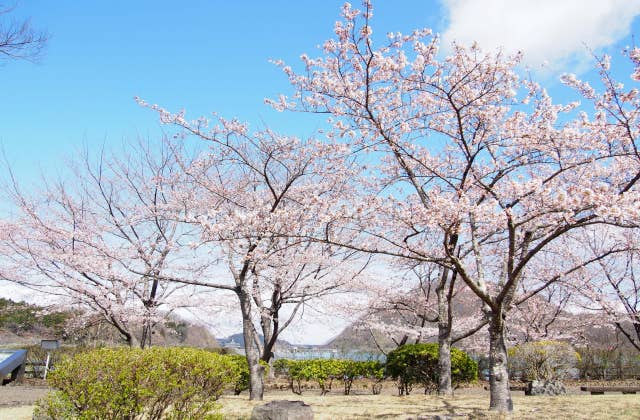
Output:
x=256 y=374
x=129 y=337
x=270 y=333
x=444 y=336
x=252 y=352
x=133 y=342
x=444 y=361
x=498 y=375
x=272 y=373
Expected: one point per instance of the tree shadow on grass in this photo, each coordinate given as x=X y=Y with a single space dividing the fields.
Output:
x=454 y=410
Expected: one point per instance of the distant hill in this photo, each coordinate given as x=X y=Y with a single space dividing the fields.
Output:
x=23 y=323
x=20 y=321
x=585 y=328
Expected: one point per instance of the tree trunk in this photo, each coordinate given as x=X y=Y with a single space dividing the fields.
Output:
x=146 y=335
x=498 y=375
x=270 y=334
x=129 y=337
x=147 y=328
x=444 y=361
x=256 y=384
x=252 y=351
x=444 y=336
x=132 y=341
x=272 y=372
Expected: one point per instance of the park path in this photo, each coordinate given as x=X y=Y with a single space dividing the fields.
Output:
x=16 y=401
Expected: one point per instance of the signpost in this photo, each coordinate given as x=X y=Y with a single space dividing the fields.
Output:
x=48 y=345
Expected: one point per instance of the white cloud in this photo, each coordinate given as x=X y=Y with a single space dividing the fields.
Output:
x=553 y=31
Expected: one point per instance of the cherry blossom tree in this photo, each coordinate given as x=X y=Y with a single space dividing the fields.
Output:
x=99 y=240
x=477 y=171
x=545 y=316
x=611 y=285
x=416 y=308
x=251 y=196
x=422 y=305
x=610 y=288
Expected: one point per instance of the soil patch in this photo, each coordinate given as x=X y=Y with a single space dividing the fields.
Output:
x=14 y=395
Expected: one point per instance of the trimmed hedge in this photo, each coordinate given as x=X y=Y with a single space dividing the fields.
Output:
x=410 y=364
x=372 y=370
x=325 y=371
x=123 y=383
x=413 y=364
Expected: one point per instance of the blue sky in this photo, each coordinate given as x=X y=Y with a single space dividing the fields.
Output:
x=205 y=56
x=209 y=56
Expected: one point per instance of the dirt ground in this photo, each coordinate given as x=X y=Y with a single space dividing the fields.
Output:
x=24 y=412
x=22 y=394
x=16 y=403
x=16 y=400
x=469 y=404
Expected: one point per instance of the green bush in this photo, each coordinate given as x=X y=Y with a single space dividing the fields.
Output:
x=352 y=369
x=241 y=366
x=123 y=383
x=281 y=367
x=322 y=371
x=292 y=370
x=413 y=364
x=325 y=371
x=546 y=360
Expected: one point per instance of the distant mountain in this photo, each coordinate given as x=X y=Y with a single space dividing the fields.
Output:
x=19 y=321
x=22 y=323
x=586 y=330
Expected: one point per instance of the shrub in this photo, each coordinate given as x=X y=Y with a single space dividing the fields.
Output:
x=281 y=367
x=296 y=373
x=608 y=364
x=242 y=375
x=176 y=383
x=325 y=371
x=375 y=372
x=542 y=360
x=352 y=369
x=322 y=371
x=413 y=364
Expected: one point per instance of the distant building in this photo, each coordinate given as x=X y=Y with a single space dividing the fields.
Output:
x=232 y=347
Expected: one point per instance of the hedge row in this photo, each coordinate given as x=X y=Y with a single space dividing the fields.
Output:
x=325 y=371
x=409 y=365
